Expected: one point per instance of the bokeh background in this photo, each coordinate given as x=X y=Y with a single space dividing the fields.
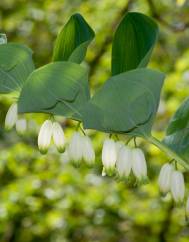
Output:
x=46 y=199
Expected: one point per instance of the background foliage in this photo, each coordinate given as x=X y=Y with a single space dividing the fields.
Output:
x=43 y=198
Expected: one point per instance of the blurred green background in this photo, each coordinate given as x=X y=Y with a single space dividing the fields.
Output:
x=43 y=198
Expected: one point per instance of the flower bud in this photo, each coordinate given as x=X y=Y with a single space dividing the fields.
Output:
x=164 y=179
x=44 y=137
x=88 y=151
x=58 y=136
x=21 y=126
x=75 y=148
x=139 y=167
x=187 y=208
x=177 y=186
x=109 y=155
x=11 y=117
x=124 y=162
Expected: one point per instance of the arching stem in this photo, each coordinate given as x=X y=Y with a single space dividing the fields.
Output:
x=168 y=151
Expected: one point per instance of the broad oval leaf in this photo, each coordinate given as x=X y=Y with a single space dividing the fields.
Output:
x=126 y=103
x=59 y=88
x=133 y=42
x=73 y=40
x=15 y=66
x=177 y=134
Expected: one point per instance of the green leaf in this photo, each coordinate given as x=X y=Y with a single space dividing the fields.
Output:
x=126 y=103
x=177 y=134
x=73 y=40
x=15 y=66
x=59 y=88
x=133 y=42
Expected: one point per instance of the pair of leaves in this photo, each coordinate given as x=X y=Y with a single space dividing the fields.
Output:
x=127 y=103
x=15 y=66
x=177 y=135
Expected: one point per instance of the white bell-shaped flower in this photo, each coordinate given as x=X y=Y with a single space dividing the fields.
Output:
x=164 y=180
x=187 y=208
x=44 y=137
x=21 y=126
x=124 y=162
x=139 y=166
x=75 y=148
x=88 y=151
x=11 y=117
x=119 y=145
x=58 y=136
x=109 y=156
x=177 y=186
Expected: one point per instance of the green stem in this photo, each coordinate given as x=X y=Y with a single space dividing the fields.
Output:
x=168 y=151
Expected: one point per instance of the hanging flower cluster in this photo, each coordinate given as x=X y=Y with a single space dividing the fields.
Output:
x=120 y=159
x=81 y=149
x=12 y=120
x=51 y=130
x=172 y=180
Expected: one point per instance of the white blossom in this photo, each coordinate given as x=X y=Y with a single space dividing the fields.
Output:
x=21 y=126
x=139 y=166
x=119 y=145
x=44 y=137
x=177 y=186
x=109 y=155
x=124 y=162
x=88 y=151
x=11 y=117
x=75 y=148
x=58 y=136
x=164 y=179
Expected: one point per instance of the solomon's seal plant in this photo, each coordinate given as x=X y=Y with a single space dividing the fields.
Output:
x=125 y=105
